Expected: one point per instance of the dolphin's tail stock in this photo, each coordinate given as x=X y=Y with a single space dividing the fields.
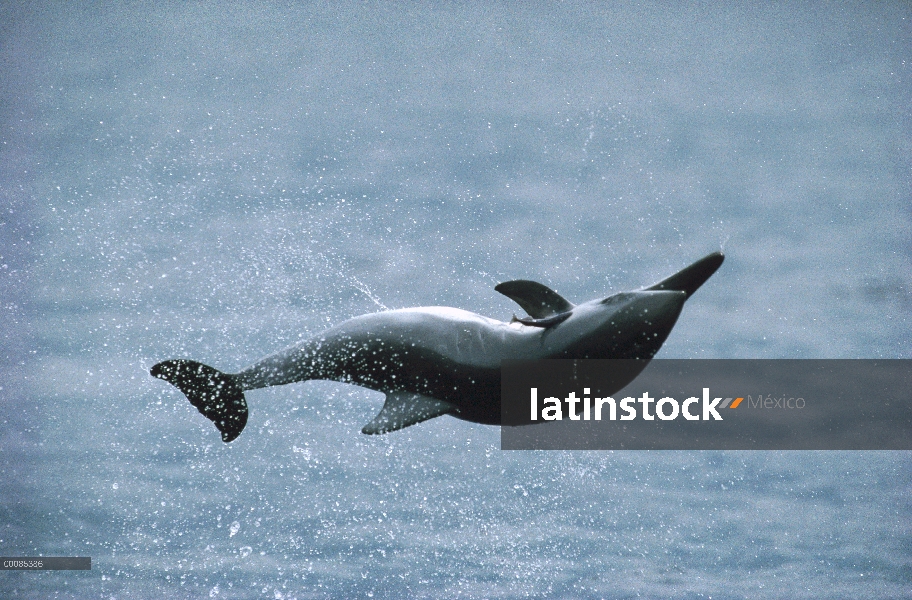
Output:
x=217 y=395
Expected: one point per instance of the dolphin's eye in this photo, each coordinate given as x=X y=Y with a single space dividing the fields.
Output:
x=615 y=299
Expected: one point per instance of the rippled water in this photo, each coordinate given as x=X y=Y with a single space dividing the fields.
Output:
x=218 y=181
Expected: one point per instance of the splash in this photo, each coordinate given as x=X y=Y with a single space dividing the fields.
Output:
x=362 y=287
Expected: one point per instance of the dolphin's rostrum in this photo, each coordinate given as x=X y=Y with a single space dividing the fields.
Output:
x=433 y=361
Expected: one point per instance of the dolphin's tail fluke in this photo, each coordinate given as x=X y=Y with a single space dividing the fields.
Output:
x=215 y=394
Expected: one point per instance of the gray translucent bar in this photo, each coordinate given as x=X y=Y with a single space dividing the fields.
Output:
x=784 y=404
x=45 y=563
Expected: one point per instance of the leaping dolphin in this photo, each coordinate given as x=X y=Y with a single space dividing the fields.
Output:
x=433 y=361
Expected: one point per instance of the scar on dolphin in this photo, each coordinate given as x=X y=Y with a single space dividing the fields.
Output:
x=433 y=361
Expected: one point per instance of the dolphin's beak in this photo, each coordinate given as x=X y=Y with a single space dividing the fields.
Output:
x=689 y=279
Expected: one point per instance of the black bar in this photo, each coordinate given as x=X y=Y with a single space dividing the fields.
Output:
x=45 y=563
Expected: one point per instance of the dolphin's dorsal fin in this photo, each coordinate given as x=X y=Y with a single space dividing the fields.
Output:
x=402 y=409
x=538 y=300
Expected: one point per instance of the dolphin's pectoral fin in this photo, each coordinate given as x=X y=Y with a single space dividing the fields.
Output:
x=546 y=322
x=215 y=394
x=402 y=409
x=538 y=300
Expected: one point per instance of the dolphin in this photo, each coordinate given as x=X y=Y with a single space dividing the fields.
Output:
x=433 y=361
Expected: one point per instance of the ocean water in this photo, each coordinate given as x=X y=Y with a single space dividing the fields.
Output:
x=218 y=181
